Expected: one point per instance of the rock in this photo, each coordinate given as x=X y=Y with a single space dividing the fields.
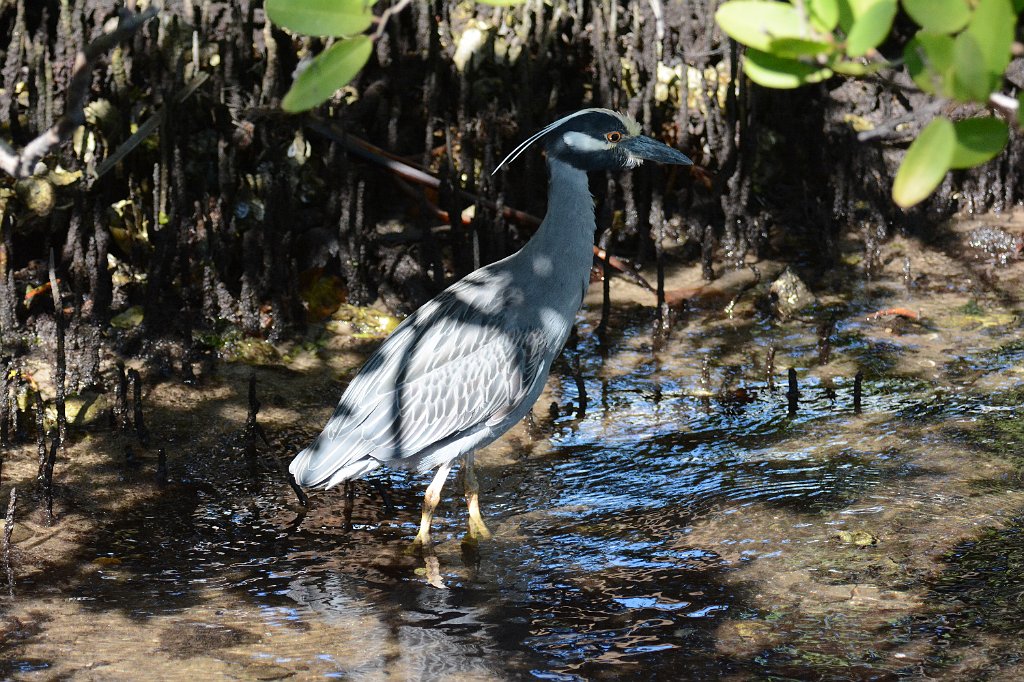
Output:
x=860 y=538
x=789 y=295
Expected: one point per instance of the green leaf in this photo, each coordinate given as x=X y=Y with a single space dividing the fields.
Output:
x=501 y=3
x=871 y=28
x=321 y=17
x=856 y=68
x=849 y=68
x=852 y=10
x=939 y=16
x=970 y=75
x=780 y=73
x=925 y=164
x=993 y=25
x=978 y=140
x=824 y=14
x=798 y=47
x=756 y=23
x=1020 y=109
x=929 y=60
x=330 y=70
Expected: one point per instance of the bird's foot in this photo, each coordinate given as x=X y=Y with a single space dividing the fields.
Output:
x=419 y=544
x=477 y=530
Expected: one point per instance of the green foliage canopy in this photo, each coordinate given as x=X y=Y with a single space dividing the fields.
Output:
x=343 y=20
x=961 y=52
x=335 y=67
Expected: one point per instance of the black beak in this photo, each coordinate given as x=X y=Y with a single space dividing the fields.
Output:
x=651 y=150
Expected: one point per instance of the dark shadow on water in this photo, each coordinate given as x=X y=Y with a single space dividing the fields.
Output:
x=973 y=627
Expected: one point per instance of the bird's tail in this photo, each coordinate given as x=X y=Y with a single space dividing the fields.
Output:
x=312 y=468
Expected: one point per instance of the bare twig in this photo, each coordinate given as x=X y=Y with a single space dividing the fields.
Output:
x=417 y=175
x=1004 y=104
x=886 y=129
x=905 y=313
x=140 y=427
x=793 y=394
x=618 y=266
x=8 y=530
x=161 y=467
x=22 y=165
x=382 y=20
x=48 y=476
x=60 y=376
x=252 y=427
x=299 y=493
x=729 y=309
x=40 y=436
x=149 y=126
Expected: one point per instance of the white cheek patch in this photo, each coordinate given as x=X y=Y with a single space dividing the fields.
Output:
x=585 y=143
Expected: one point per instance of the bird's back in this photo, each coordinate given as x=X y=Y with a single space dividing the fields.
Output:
x=454 y=376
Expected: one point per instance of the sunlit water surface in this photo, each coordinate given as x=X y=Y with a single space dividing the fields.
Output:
x=679 y=527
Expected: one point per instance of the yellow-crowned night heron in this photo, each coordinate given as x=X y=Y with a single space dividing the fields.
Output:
x=469 y=364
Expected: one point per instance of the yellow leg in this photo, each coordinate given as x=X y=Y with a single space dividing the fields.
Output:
x=430 y=500
x=477 y=528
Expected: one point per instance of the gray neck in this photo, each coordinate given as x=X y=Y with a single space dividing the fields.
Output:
x=568 y=228
x=560 y=254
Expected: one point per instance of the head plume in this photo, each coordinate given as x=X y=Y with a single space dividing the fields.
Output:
x=632 y=126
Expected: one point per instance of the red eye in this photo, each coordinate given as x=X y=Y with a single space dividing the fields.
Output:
x=613 y=136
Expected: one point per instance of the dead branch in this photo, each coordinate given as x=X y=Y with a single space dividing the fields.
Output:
x=22 y=165
x=406 y=171
x=148 y=126
x=382 y=20
x=891 y=128
x=905 y=313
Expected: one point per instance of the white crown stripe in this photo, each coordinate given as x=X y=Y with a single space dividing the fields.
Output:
x=541 y=133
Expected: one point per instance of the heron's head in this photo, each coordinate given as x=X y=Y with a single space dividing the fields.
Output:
x=599 y=139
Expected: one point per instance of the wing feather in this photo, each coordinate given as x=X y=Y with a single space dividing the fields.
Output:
x=457 y=364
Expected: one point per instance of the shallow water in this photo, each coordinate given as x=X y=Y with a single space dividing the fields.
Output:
x=682 y=524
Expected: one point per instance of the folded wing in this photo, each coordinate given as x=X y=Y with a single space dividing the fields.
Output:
x=455 y=368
